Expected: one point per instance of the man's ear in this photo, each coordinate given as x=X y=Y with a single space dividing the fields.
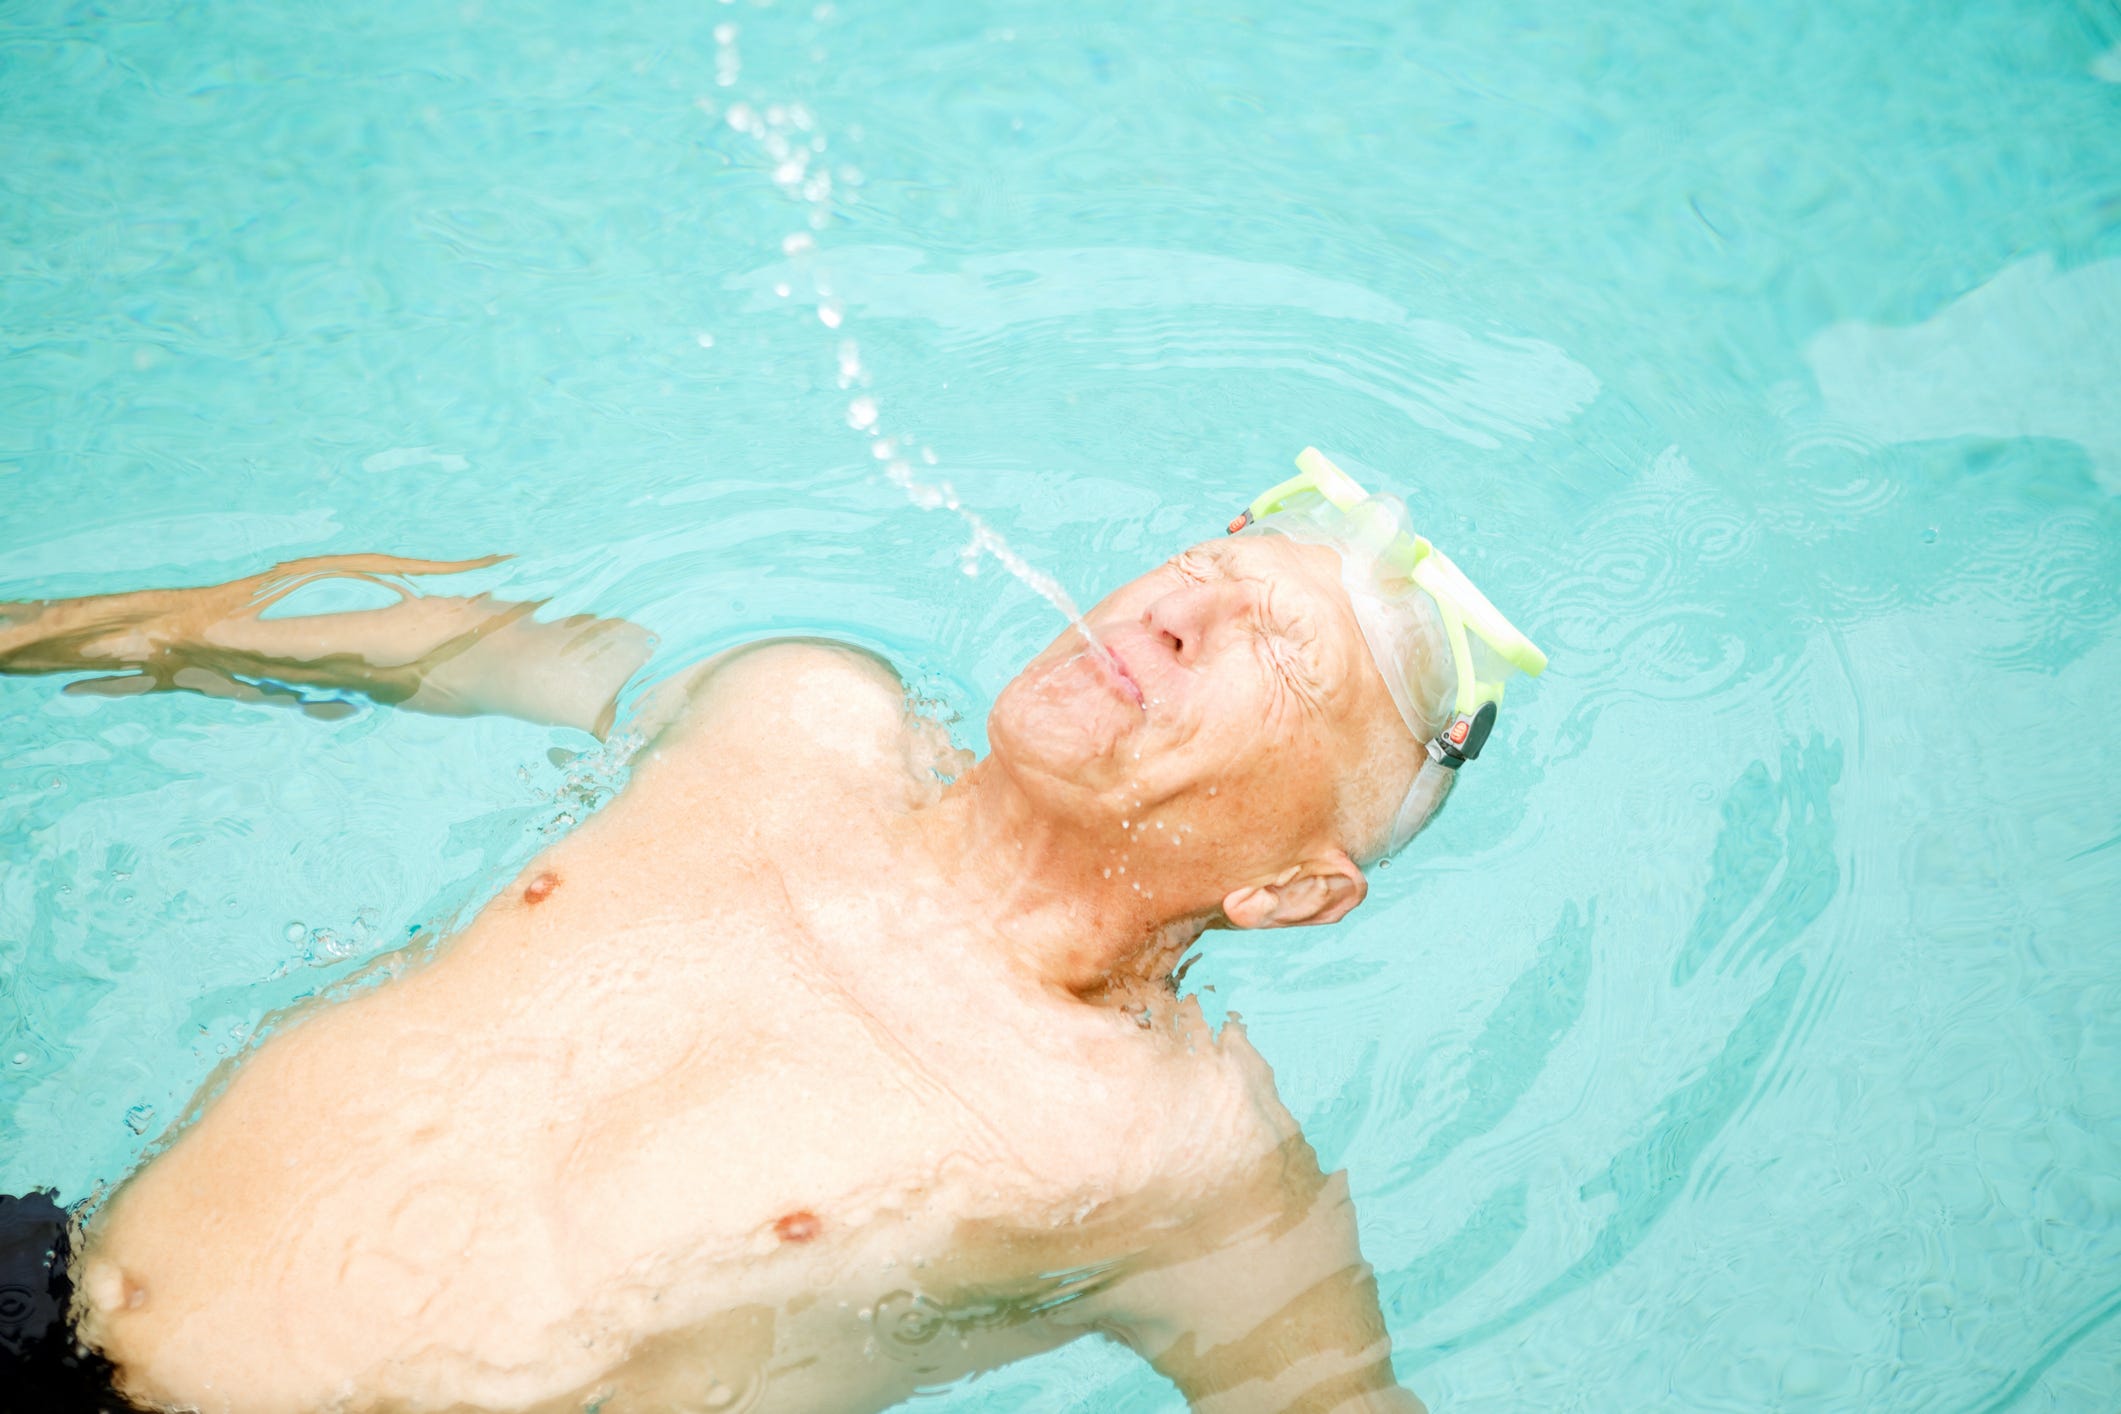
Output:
x=1322 y=889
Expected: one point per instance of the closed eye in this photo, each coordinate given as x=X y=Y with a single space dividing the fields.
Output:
x=1290 y=640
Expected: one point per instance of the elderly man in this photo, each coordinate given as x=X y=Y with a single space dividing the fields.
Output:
x=824 y=1063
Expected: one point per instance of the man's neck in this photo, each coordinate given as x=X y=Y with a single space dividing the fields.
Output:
x=1067 y=907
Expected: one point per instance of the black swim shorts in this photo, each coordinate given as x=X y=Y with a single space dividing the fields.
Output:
x=43 y=1369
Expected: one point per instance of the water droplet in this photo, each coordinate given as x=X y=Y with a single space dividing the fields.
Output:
x=782 y=289
x=295 y=932
x=19 y=1058
x=1929 y=536
x=704 y=339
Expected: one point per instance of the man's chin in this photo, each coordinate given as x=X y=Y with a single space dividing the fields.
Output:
x=1067 y=709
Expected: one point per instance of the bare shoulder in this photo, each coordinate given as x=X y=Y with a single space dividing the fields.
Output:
x=1218 y=1117
x=1250 y=1291
x=800 y=693
x=797 y=712
x=1250 y=1123
x=776 y=674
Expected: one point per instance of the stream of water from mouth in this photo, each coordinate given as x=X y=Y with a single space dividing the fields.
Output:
x=789 y=137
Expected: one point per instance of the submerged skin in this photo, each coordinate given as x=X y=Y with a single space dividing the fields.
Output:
x=796 y=1078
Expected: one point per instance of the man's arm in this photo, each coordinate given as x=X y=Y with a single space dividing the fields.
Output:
x=1264 y=1304
x=453 y=656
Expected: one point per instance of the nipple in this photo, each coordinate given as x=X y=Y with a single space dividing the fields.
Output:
x=110 y=1289
x=799 y=1226
x=540 y=888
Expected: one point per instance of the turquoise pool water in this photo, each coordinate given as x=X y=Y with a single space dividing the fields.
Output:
x=1746 y=1036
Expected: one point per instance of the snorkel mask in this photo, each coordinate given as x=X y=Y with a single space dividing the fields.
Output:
x=1403 y=589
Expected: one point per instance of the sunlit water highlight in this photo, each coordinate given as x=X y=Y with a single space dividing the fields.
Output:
x=1740 y=1038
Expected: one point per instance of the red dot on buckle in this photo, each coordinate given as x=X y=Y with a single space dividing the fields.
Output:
x=1458 y=732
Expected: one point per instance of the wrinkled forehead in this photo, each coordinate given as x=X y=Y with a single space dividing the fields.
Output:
x=1310 y=569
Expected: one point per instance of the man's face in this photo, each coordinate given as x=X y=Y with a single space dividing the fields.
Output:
x=1244 y=698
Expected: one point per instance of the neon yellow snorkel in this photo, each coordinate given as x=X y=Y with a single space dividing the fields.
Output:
x=1485 y=647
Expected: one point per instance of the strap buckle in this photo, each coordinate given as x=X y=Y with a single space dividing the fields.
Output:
x=1461 y=740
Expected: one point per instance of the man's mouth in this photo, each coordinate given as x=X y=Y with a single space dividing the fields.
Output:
x=1116 y=675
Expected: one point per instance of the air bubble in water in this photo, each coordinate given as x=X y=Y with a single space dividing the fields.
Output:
x=830 y=312
x=704 y=339
x=727 y=66
x=861 y=414
x=295 y=932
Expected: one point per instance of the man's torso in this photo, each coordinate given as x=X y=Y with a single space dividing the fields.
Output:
x=703 y=1111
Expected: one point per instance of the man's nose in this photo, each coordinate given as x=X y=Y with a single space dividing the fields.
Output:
x=1182 y=620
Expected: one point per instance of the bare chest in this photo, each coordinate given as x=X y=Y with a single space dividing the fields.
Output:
x=623 y=1129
